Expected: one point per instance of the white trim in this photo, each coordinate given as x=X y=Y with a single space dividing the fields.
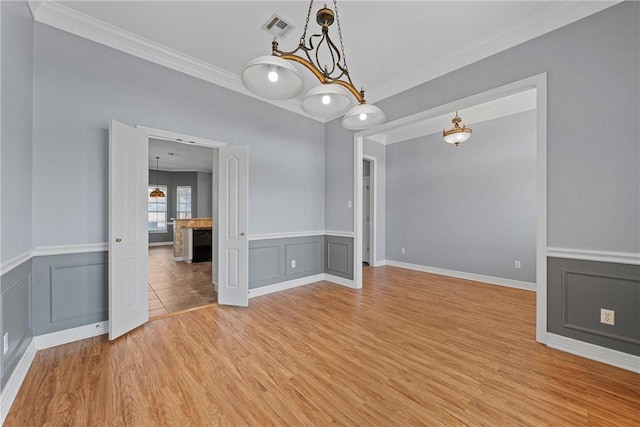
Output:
x=594 y=352
x=282 y=286
x=340 y=281
x=178 y=258
x=180 y=138
x=53 y=339
x=380 y=263
x=594 y=255
x=74 y=22
x=510 y=283
x=69 y=249
x=286 y=235
x=15 y=261
x=339 y=233
x=358 y=148
x=10 y=390
x=290 y=284
x=160 y=244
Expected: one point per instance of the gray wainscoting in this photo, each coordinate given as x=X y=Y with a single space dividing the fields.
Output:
x=270 y=261
x=70 y=291
x=577 y=290
x=15 y=300
x=339 y=256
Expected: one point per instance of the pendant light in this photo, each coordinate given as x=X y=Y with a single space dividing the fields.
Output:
x=456 y=134
x=326 y=101
x=273 y=76
x=157 y=192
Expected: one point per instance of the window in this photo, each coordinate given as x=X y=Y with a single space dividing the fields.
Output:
x=183 y=196
x=157 y=210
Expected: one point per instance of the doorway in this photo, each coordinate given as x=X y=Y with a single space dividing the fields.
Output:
x=368 y=211
x=180 y=276
x=412 y=123
x=128 y=248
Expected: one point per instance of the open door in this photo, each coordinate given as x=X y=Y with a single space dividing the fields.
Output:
x=233 y=248
x=128 y=181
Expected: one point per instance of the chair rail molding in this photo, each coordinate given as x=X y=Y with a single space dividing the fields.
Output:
x=595 y=255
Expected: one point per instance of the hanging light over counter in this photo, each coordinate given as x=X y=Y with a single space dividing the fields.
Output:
x=273 y=77
x=157 y=192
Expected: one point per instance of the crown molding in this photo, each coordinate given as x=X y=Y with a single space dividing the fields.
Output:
x=552 y=18
x=69 y=20
x=85 y=26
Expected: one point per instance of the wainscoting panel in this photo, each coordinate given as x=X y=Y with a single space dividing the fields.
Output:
x=70 y=291
x=270 y=259
x=308 y=257
x=339 y=256
x=578 y=289
x=15 y=301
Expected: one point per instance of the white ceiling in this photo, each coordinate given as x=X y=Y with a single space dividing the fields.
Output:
x=179 y=157
x=391 y=46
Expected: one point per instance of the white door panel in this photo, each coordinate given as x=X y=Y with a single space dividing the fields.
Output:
x=128 y=241
x=233 y=247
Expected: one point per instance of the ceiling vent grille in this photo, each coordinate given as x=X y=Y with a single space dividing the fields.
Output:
x=277 y=27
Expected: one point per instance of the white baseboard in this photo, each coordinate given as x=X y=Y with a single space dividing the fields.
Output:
x=468 y=276
x=289 y=284
x=178 y=258
x=10 y=390
x=595 y=352
x=380 y=263
x=160 y=244
x=339 y=281
x=70 y=335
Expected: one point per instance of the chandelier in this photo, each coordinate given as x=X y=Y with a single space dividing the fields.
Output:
x=274 y=76
x=456 y=134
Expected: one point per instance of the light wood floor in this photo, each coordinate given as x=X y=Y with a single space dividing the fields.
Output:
x=176 y=286
x=409 y=349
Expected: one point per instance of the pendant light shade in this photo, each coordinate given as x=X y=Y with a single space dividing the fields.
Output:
x=363 y=116
x=457 y=134
x=272 y=77
x=326 y=101
x=157 y=192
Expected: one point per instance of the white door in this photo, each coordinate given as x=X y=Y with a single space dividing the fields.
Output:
x=366 y=216
x=128 y=241
x=233 y=248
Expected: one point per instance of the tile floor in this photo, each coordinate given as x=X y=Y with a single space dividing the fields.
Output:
x=176 y=286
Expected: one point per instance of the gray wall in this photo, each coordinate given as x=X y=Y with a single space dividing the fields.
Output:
x=338 y=256
x=205 y=192
x=15 y=317
x=471 y=209
x=16 y=182
x=270 y=260
x=577 y=290
x=81 y=85
x=17 y=119
x=379 y=151
x=593 y=86
x=69 y=291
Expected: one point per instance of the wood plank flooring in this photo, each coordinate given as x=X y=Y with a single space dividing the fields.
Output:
x=410 y=348
x=176 y=286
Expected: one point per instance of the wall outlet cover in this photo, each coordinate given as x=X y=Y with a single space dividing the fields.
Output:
x=5 y=343
x=607 y=316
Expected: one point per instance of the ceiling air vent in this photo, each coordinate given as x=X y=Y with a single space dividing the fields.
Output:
x=277 y=27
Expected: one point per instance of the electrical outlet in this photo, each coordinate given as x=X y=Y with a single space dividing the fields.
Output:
x=349 y=204
x=403 y=251
x=516 y=264
x=293 y=263
x=5 y=343
x=608 y=317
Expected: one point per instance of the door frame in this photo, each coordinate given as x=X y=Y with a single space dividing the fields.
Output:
x=373 y=204
x=537 y=82
x=180 y=138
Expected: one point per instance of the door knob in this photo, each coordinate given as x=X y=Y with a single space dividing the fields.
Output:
x=118 y=240
x=242 y=234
